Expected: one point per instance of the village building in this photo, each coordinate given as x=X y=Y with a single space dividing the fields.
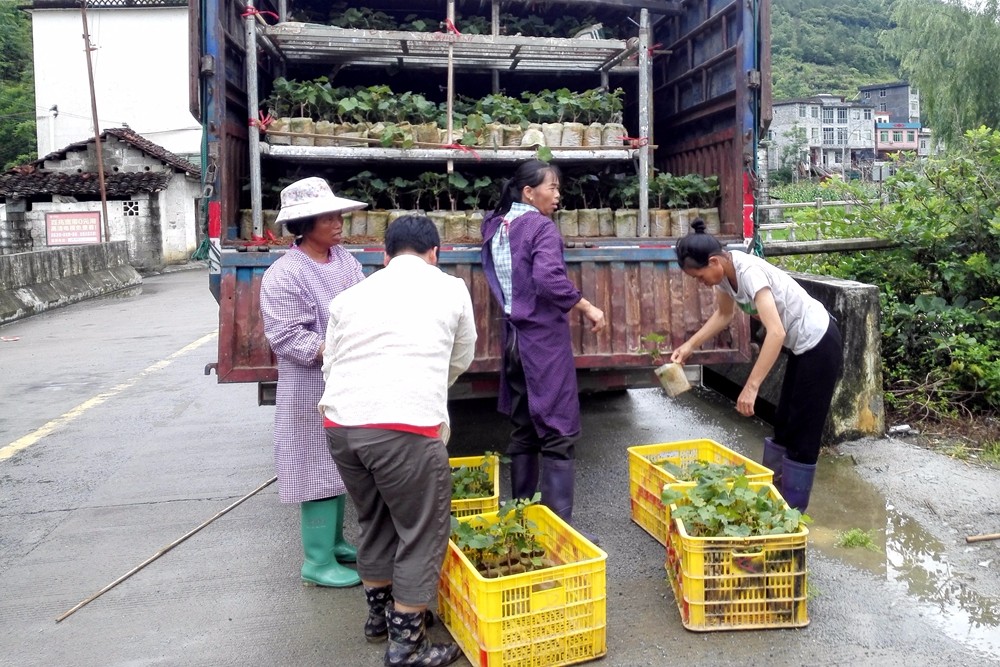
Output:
x=151 y=200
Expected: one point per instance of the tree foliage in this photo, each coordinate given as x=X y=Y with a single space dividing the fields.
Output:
x=939 y=289
x=949 y=51
x=828 y=46
x=17 y=97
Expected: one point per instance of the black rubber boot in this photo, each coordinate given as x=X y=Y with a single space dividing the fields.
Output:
x=376 y=625
x=557 y=486
x=523 y=475
x=408 y=644
x=773 y=455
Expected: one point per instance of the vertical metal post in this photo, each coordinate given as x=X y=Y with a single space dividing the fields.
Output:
x=97 y=129
x=645 y=76
x=495 y=31
x=253 y=134
x=451 y=82
x=282 y=10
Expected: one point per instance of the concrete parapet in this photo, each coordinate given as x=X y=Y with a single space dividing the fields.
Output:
x=33 y=282
x=858 y=408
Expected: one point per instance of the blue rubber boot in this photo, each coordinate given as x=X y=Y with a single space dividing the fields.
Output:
x=523 y=475
x=797 y=483
x=773 y=455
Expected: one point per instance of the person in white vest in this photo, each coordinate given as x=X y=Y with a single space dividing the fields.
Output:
x=394 y=345
x=794 y=322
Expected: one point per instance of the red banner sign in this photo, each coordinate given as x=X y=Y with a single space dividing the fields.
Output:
x=73 y=228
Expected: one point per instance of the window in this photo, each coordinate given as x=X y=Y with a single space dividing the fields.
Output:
x=868 y=114
x=897 y=136
x=837 y=159
x=868 y=94
x=841 y=136
x=815 y=134
x=842 y=115
x=827 y=135
x=910 y=137
x=881 y=107
x=868 y=135
x=923 y=144
x=827 y=115
x=814 y=112
x=856 y=115
x=883 y=136
x=770 y=135
x=802 y=111
x=130 y=208
x=881 y=92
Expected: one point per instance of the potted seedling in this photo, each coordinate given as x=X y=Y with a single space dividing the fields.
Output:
x=626 y=193
x=568 y=215
x=569 y=106
x=614 y=130
x=370 y=186
x=671 y=375
x=279 y=105
x=304 y=96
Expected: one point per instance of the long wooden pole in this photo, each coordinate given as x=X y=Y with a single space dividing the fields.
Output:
x=163 y=551
x=97 y=130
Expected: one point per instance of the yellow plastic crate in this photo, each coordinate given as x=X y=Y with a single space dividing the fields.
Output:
x=470 y=506
x=738 y=583
x=646 y=477
x=549 y=617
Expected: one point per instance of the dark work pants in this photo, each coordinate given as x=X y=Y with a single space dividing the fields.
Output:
x=806 y=394
x=524 y=439
x=401 y=485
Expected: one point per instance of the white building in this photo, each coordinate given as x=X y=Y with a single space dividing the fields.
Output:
x=821 y=131
x=140 y=63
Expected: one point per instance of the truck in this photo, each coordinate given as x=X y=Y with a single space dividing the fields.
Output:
x=695 y=76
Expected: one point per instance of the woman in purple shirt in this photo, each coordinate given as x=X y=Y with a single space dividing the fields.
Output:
x=523 y=261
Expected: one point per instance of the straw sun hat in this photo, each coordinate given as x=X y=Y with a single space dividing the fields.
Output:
x=310 y=197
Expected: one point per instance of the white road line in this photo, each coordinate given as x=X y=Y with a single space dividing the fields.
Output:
x=30 y=439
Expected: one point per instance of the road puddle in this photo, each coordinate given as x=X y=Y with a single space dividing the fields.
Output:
x=903 y=552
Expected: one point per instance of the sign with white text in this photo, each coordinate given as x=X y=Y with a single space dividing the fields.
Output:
x=73 y=228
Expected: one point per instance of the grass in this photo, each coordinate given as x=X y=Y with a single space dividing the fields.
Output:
x=855 y=537
x=991 y=452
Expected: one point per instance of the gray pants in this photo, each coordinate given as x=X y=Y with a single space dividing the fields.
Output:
x=401 y=485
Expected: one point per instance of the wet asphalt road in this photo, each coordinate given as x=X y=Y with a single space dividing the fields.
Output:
x=113 y=444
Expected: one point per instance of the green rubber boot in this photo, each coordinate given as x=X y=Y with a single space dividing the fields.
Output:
x=343 y=551
x=319 y=522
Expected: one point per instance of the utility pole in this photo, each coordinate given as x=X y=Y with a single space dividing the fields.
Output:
x=97 y=130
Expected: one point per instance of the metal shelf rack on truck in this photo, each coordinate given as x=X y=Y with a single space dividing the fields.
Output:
x=697 y=102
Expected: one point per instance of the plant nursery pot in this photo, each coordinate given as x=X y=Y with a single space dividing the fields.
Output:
x=626 y=222
x=377 y=222
x=396 y=214
x=438 y=218
x=302 y=125
x=359 y=223
x=673 y=379
x=614 y=134
x=269 y=218
x=713 y=224
x=593 y=135
x=569 y=222
x=660 y=218
x=455 y=224
x=280 y=125
x=588 y=222
x=474 y=225
x=345 y=132
x=493 y=135
x=680 y=222
x=553 y=134
x=532 y=138
x=512 y=135
x=427 y=133
x=606 y=222
x=327 y=129
x=572 y=134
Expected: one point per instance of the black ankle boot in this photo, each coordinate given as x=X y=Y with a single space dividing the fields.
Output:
x=523 y=475
x=376 y=625
x=408 y=643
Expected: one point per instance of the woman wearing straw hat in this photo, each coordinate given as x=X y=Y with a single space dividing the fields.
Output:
x=295 y=296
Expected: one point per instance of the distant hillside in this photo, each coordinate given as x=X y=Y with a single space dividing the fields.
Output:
x=828 y=46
